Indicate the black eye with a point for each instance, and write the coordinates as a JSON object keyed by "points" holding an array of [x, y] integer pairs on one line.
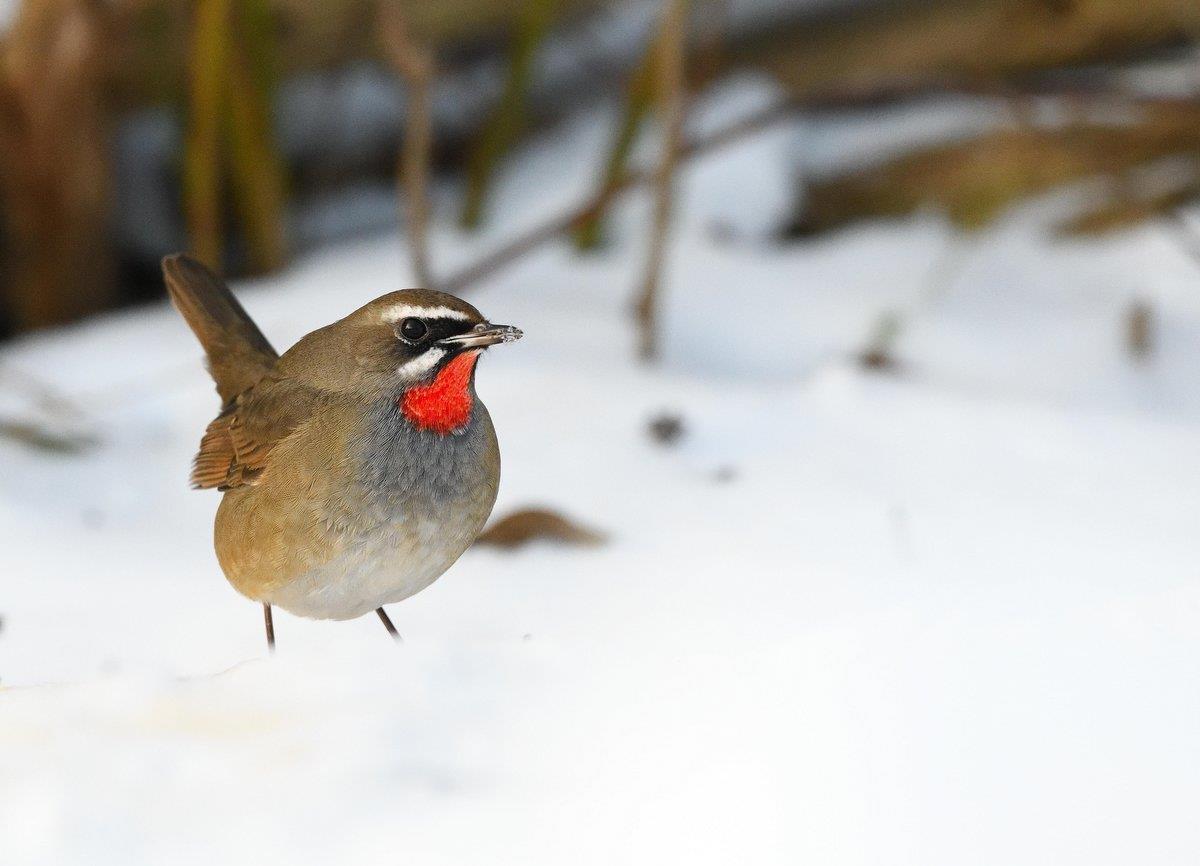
{"points": [[413, 330]]}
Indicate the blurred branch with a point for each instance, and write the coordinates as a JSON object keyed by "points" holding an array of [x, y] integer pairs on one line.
{"points": [[813, 53], [256, 168], [259, 177], [229, 117], [511, 252], [875, 47], [639, 96], [209, 60], [974, 180], [257, 26], [152, 36], [507, 121], [670, 91], [641, 92], [415, 65], [1131, 208], [712, 22], [42, 438]]}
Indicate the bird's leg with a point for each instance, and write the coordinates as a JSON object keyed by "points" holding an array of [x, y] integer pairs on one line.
{"points": [[387, 623], [270, 623]]}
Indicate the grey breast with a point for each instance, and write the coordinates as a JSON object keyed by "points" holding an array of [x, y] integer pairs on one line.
{"points": [[413, 468]]}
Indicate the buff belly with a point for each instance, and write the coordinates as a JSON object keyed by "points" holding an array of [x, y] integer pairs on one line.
{"points": [[385, 566]]}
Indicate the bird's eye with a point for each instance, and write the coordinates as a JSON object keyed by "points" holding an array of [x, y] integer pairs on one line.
{"points": [[413, 330]]}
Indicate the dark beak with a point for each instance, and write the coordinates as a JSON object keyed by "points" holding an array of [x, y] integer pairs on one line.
{"points": [[483, 335]]}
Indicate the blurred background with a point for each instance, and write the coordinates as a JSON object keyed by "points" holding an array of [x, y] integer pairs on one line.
{"points": [[850, 493], [254, 132]]}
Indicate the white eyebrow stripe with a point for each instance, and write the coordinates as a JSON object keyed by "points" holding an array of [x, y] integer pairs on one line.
{"points": [[404, 311], [421, 364]]}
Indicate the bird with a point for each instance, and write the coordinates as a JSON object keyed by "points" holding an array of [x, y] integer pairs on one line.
{"points": [[357, 466]]}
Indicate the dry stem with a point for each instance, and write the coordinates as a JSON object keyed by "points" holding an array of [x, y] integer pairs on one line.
{"points": [[669, 59], [415, 65]]}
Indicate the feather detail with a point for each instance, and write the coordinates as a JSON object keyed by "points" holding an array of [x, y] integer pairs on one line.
{"points": [[237, 445]]}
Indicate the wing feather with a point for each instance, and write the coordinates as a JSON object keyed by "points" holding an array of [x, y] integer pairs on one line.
{"points": [[236, 448]]}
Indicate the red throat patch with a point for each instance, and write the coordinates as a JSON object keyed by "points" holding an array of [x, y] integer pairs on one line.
{"points": [[444, 405]]}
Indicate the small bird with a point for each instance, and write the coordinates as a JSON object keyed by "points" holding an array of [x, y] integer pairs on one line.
{"points": [[357, 466]]}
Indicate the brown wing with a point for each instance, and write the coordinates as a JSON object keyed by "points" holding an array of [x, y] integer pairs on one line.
{"points": [[237, 445]]}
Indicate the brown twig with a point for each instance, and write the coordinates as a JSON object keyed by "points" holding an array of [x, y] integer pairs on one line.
{"points": [[41, 437], [669, 60], [703, 51], [414, 63], [518, 247], [710, 39]]}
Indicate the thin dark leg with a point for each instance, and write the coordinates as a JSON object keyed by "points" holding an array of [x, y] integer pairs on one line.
{"points": [[270, 623], [387, 623]]}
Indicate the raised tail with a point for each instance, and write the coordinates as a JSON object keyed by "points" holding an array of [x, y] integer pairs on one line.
{"points": [[238, 353]]}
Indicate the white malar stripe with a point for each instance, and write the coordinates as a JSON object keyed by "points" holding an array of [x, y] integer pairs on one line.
{"points": [[421, 364], [404, 311]]}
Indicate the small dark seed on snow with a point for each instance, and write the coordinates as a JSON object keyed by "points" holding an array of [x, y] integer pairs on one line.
{"points": [[666, 428]]}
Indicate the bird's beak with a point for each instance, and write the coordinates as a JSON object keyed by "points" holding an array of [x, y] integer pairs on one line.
{"points": [[483, 335]]}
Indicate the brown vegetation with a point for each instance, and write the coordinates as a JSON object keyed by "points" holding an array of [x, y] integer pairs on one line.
{"points": [[151, 37], [670, 96], [915, 45], [55, 181], [533, 524], [65, 63], [974, 180], [229, 136]]}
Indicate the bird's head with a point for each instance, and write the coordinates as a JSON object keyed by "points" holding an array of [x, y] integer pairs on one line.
{"points": [[431, 331], [416, 346]]}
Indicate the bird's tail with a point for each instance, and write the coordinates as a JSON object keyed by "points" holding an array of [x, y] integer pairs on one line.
{"points": [[238, 353]]}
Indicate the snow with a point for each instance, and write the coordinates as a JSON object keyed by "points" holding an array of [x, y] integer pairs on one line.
{"points": [[941, 615]]}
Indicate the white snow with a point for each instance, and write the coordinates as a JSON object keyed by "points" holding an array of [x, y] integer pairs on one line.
{"points": [[945, 615]]}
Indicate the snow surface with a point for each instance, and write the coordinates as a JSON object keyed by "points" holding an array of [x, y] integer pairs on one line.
{"points": [[944, 615]]}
